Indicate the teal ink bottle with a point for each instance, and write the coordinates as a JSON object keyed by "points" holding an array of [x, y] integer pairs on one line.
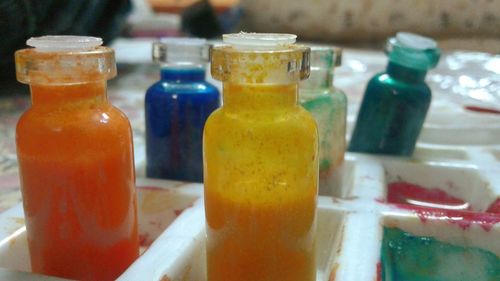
{"points": [[396, 101], [176, 108], [328, 105]]}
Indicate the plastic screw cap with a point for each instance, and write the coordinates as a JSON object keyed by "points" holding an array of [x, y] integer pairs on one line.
{"points": [[415, 41], [64, 43], [64, 59], [413, 51], [258, 41], [260, 58]]}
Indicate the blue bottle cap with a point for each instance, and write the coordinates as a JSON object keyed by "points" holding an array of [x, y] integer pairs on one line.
{"points": [[413, 51]]}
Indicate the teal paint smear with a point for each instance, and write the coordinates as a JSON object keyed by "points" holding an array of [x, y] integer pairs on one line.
{"points": [[406, 257], [328, 107]]}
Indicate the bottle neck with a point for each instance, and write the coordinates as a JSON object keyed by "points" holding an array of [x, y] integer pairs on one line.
{"points": [[62, 94], [318, 79], [183, 74], [405, 74], [259, 96]]}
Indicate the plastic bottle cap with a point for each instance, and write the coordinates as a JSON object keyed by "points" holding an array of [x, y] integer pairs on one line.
{"points": [[64, 43], [413, 51], [259, 41], [64, 60], [415, 41]]}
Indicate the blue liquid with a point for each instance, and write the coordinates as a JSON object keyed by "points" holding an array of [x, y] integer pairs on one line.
{"points": [[392, 112], [177, 107]]}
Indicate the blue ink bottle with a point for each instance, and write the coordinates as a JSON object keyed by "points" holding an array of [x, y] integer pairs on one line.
{"points": [[176, 108], [396, 101]]}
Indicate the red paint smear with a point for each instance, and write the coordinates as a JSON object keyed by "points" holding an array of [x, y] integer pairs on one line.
{"points": [[153, 188], [434, 203], [379, 271], [464, 219], [179, 211], [144, 240], [482, 109], [157, 224], [495, 207], [407, 193]]}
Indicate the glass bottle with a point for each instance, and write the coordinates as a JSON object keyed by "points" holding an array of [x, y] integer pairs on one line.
{"points": [[328, 105], [261, 163], [76, 162], [396, 101], [177, 107]]}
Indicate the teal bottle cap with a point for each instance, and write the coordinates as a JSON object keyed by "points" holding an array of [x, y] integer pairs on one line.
{"points": [[413, 51]]}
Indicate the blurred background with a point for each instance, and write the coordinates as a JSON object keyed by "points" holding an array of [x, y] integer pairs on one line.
{"points": [[456, 24]]}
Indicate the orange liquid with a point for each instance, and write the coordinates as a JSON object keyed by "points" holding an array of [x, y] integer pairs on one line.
{"points": [[261, 178], [77, 177]]}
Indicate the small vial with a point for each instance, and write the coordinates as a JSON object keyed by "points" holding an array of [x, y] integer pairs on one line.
{"points": [[261, 163], [76, 162], [177, 107], [396, 101]]}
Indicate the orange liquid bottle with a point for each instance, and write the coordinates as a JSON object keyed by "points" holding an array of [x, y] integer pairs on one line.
{"points": [[261, 164], [75, 162]]}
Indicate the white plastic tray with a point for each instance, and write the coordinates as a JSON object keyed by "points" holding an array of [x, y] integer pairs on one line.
{"points": [[351, 217]]}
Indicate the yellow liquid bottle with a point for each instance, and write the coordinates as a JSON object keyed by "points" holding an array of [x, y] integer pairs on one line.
{"points": [[260, 163]]}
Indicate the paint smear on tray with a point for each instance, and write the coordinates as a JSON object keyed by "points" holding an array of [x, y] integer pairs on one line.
{"points": [[417, 258], [412, 194]]}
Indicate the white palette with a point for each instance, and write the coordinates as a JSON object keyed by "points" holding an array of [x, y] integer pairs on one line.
{"points": [[351, 217]]}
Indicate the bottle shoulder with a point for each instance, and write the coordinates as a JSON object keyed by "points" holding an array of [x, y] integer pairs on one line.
{"points": [[294, 117], [75, 135], [87, 119], [290, 128], [384, 83], [169, 87], [333, 96], [306, 117]]}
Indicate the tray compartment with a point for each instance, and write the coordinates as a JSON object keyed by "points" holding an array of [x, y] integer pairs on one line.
{"points": [[437, 248], [438, 185]]}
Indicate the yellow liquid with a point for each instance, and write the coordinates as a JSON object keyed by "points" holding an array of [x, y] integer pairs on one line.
{"points": [[261, 179]]}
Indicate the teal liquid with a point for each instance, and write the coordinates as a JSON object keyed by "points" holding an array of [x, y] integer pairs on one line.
{"points": [[392, 112], [406, 257]]}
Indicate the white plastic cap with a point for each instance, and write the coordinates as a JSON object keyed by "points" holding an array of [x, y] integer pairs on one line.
{"points": [[258, 41], [64, 43], [415, 41]]}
